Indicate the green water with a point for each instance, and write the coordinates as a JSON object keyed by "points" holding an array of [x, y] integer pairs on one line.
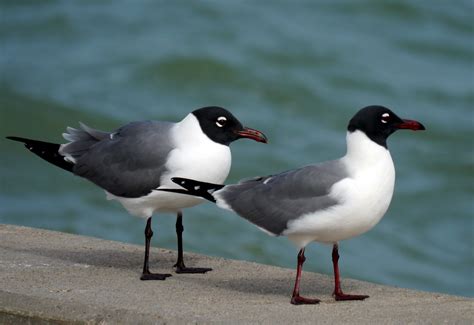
{"points": [[296, 70]]}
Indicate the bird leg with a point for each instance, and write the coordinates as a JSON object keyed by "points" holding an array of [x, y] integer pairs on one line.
{"points": [[147, 275], [338, 294], [180, 267], [296, 299]]}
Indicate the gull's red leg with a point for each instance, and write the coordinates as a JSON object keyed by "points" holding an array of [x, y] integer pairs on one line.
{"points": [[296, 299], [338, 294]]}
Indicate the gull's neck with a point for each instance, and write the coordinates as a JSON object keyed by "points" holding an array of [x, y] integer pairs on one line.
{"points": [[189, 132], [362, 151]]}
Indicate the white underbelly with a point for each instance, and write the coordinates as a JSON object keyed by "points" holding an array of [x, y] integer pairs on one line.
{"points": [[156, 201], [336, 224]]}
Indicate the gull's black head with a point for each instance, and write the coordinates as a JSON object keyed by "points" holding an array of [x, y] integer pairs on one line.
{"points": [[222, 127], [378, 122]]}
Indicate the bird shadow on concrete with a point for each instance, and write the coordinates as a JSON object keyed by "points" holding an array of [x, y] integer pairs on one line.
{"points": [[265, 282], [312, 285], [115, 258]]}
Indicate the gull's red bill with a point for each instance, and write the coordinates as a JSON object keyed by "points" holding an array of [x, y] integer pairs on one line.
{"points": [[252, 134], [411, 125]]}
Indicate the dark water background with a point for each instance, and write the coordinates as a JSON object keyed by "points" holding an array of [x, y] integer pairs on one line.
{"points": [[297, 70]]}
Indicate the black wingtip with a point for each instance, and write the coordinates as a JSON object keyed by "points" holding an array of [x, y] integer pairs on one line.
{"points": [[174, 190], [179, 180], [45, 150], [197, 188], [16, 138]]}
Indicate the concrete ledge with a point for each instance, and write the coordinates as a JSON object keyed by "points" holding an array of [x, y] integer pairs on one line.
{"points": [[49, 277]]}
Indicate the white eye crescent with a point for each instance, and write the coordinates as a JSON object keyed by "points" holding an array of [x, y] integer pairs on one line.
{"points": [[385, 118], [221, 121]]}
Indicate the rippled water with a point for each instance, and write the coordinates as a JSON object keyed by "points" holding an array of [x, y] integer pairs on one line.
{"points": [[297, 71]]}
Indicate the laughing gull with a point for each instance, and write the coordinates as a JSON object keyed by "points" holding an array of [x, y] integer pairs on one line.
{"points": [[134, 160], [326, 202]]}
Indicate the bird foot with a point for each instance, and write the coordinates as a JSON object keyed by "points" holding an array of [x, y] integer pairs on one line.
{"points": [[298, 300], [154, 276], [344, 297], [190, 270]]}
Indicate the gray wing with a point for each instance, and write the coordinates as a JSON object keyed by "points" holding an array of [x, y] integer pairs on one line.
{"points": [[271, 202], [128, 162]]}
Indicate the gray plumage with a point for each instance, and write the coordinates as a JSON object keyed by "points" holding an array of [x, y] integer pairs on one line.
{"points": [[271, 202], [81, 140], [128, 162]]}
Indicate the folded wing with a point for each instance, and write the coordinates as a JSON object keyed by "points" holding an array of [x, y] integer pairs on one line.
{"points": [[271, 202], [128, 162]]}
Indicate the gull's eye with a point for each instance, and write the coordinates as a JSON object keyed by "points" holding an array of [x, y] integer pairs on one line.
{"points": [[221, 121], [385, 118]]}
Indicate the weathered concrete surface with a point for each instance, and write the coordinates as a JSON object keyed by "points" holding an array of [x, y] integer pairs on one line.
{"points": [[51, 277]]}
